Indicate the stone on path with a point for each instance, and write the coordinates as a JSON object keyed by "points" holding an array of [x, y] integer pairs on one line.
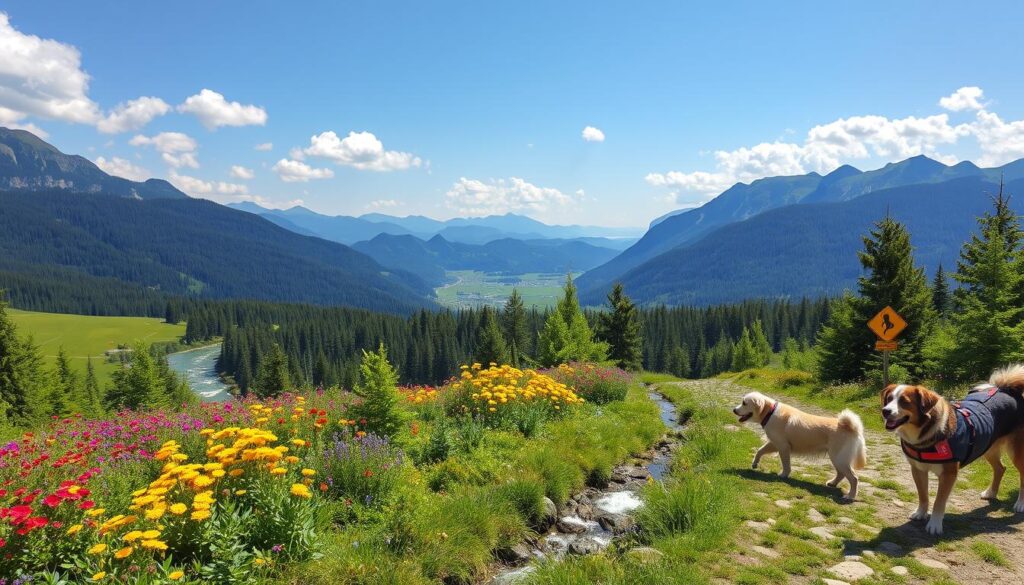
{"points": [[834, 582], [765, 551], [783, 504], [890, 548], [758, 526], [932, 563], [815, 516], [900, 570], [822, 532], [852, 570]]}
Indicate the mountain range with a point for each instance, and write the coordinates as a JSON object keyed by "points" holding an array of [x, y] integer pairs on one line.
{"points": [[467, 230], [744, 201]]}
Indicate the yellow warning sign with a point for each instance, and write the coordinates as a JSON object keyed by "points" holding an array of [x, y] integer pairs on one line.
{"points": [[887, 324]]}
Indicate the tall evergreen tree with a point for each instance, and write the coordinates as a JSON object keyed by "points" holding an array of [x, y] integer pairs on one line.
{"points": [[91, 391], [273, 378], [490, 345], [137, 385], [989, 320], [846, 345], [23, 383], [378, 388], [744, 355], [64, 391], [566, 336], [940, 293], [516, 329], [762, 347], [620, 329]]}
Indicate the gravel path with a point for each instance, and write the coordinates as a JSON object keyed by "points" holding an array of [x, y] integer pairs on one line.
{"points": [[969, 519]]}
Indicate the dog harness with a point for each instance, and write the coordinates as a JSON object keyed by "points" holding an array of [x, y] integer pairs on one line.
{"points": [[768, 416], [984, 415]]}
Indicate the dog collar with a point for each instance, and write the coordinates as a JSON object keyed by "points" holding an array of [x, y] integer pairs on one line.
{"points": [[765, 420]]}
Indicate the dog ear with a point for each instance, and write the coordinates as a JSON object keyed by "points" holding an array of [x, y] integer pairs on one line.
{"points": [[926, 400], [887, 393]]}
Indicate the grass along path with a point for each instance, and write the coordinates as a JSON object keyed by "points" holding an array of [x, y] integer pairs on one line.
{"points": [[797, 530]]}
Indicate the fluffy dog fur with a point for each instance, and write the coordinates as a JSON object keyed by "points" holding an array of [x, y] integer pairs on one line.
{"points": [[790, 431], [922, 418]]}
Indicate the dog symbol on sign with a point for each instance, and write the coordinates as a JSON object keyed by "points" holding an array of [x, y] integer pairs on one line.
{"points": [[887, 323]]}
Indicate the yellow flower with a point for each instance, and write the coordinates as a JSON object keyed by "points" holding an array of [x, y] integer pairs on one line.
{"points": [[97, 549], [259, 562], [241, 492], [175, 575], [278, 471], [200, 515], [308, 472], [154, 544], [132, 536], [155, 513], [99, 575], [74, 529], [123, 552], [202, 481], [95, 512], [150, 534], [178, 509], [300, 490]]}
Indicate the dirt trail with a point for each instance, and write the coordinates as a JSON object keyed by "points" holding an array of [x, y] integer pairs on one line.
{"points": [[969, 519]]}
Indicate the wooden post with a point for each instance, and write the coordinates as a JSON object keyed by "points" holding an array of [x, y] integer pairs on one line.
{"points": [[885, 368]]}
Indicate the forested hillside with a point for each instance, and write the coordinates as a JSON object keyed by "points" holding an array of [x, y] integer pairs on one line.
{"points": [[181, 247], [810, 249]]}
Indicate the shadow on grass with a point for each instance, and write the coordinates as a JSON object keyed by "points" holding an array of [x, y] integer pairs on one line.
{"points": [[814, 488]]}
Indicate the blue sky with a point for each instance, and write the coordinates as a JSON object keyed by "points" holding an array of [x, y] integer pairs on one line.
{"points": [[480, 107]]}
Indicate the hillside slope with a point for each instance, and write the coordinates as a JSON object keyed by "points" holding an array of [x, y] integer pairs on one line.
{"points": [[191, 246], [811, 249]]}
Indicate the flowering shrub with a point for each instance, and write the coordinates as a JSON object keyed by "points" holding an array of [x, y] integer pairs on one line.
{"points": [[359, 468], [595, 383], [419, 394]]}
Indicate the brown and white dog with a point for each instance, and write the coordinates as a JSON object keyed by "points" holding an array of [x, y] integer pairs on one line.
{"points": [[940, 437], [790, 431]]}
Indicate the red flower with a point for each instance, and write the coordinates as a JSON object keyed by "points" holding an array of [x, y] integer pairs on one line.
{"points": [[52, 500], [18, 513], [368, 473], [87, 504]]}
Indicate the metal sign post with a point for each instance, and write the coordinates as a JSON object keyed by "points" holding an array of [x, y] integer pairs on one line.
{"points": [[887, 325]]}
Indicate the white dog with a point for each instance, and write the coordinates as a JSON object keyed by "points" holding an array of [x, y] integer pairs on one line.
{"points": [[792, 432]]}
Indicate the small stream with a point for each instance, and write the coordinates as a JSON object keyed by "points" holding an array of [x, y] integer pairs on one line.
{"points": [[591, 519], [199, 368]]}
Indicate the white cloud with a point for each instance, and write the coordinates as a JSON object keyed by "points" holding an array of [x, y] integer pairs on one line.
{"points": [[214, 111], [383, 204], [199, 187], [43, 77], [293, 171], [132, 115], [120, 167], [264, 147], [268, 203], [1000, 142], [591, 134], [496, 196], [361, 150], [11, 119], [240, 172], [177, 149], [965, 98]]}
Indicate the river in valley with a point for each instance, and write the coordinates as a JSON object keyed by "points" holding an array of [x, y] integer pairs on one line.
{"points": [[199, 368]]}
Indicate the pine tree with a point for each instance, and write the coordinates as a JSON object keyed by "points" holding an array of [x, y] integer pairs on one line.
{"points": [[566, 336], [273, 379], [91, 391], [515, 328], [620, 329], [744, 355], [65, 386], [892, 279], [23, 382], [137, 385], [490, 345], [940, 293], [378, 388], [989, 320], [762, 347]]}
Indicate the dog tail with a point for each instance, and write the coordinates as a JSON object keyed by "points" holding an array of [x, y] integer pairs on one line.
{"points": [[851, 423], [1010, 378]]}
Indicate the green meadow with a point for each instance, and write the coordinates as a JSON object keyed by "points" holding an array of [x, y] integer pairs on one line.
{"points": [[476, 289], [85, 336]]}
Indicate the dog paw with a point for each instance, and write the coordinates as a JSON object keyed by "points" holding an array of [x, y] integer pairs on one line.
{"points": [[919, 515], [848, 499], [989, 495], [784, 474], [833, 482], [934, 526], [754, 465], [1019, 506]]}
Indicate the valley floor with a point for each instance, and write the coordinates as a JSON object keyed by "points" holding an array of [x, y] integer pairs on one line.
{"points": [[796, 530]]}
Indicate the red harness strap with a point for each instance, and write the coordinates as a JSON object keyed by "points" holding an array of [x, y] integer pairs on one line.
{"points": [[764, 421], [939, 453]]}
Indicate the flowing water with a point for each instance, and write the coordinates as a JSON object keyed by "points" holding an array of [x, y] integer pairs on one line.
{"points": [[615, 501], [199, 368]]}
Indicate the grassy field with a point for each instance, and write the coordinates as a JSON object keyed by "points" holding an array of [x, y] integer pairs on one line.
{"points": [[476, 289], [84, 336]]}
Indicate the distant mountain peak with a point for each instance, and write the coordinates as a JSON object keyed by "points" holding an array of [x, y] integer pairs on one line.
{"points": [[30, 164]]}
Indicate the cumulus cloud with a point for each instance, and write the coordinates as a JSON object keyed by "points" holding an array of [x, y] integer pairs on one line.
{"points": [[199, 187], [965, 98], [853, 139], [120, 167], [496, 196], [177, 149], [293, 171], [132, 115], [360, 150], [591, 134], [214, 111], [264, 147], [240, 172]]}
